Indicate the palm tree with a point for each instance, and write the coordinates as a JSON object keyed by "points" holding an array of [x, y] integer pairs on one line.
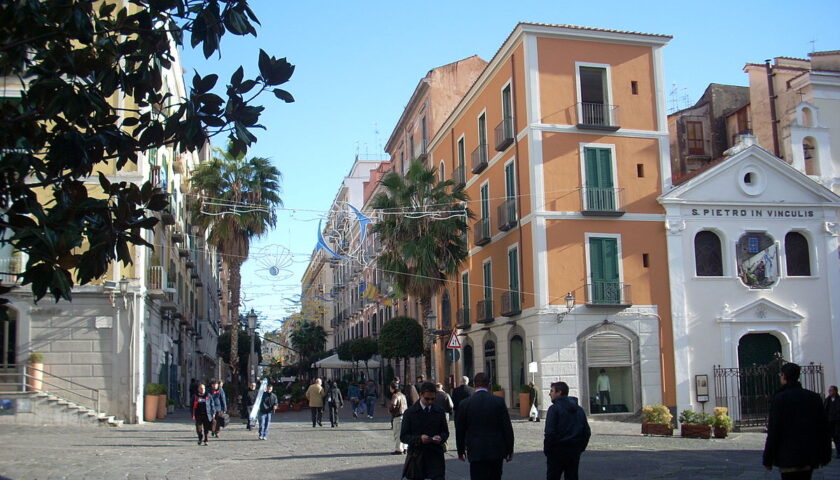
{"points": [[422, 227], [309, 339], [235, 201]]}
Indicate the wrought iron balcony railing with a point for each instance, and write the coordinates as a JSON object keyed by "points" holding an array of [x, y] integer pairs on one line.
{"points": [[504, 134], [479, 158], [507, 214], [608, 294], [511, 304], [598, 116], [603, 202], [484, 311], [464, 318], [458, 177], [481, 232]]}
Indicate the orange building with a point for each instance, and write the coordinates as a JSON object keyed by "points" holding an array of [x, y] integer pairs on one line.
{"points": [[562, 143]]}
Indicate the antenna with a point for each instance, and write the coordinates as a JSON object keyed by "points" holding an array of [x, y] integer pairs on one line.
{"points": [[813, 45]]}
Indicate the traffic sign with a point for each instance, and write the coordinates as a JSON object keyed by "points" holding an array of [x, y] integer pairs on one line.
{"points": [[453, 341]]}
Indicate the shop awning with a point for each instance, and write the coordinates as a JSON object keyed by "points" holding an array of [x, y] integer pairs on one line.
{"points": [[335, 362]]}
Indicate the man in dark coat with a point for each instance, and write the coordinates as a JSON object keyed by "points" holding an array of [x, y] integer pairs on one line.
{"points": [[425, 430], [248, 401], [832, 414], [797, 430], [462, 392], [483, 432], [566, 434]]}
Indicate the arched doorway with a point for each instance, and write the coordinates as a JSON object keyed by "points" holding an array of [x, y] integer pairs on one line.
{"points": [[490, 361], [517, 367], [756, 349], [610, 369]]}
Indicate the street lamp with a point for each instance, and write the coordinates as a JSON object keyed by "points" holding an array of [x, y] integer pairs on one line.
{"points": [[570, 305], [252, 326]]}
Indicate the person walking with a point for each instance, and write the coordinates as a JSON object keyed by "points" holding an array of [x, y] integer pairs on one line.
{"points": [[443, 400], [396, 407], [267, 404], [219, 406], [832, 414], [461, 393], [425, 430], [412, 394], [566, 434], [371, 394], [355, 394], [798, 440], [248, 401], [315, 394], [334, 402], [483, 432], [203, 413]]}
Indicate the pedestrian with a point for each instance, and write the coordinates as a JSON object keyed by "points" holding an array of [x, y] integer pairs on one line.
{"points": [[566, 434], [602, 385], [202, 412], [355, 394], [832, 414], [248, 401], [397, 407], [443, 400], [371, 394], [420, 380], [797, 431], [483, 432], [334, 402], [425, 430], [315, 394], [267, 404], [461, 393], [219, 404]]}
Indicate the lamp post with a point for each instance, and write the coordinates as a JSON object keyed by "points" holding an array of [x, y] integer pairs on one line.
{"points": [[252, 326], [570, 305]]}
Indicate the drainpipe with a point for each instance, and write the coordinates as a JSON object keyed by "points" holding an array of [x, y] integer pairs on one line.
{"points": [[774, 122]]}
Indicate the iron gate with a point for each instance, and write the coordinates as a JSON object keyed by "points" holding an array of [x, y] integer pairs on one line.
{"points": [[747, 392]]}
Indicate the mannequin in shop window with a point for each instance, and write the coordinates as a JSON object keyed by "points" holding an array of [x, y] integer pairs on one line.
{"points": [[603, 387]]}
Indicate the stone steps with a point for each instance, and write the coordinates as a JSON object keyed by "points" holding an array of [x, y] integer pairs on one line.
{"points": [[42, 408]]}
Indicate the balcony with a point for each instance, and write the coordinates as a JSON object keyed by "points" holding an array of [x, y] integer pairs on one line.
{"points": [[420, 152], [510, 303], [189, 264], [479, 158], [464, 318], [167, 218], [602, 202], [484, 311], [504, 134], [597, 116], [183, 253], [177, 237], [507, 214], [481, 232], [155, 279], [458, 177], [608, 294], [9, 268]]}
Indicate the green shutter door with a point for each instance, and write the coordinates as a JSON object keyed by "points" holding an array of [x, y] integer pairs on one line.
{"points": [[513, 280], [600, 194], [603, 258]]}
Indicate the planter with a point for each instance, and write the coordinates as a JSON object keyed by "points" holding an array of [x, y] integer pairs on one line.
{"points": [[524, 404], [296, 407], [170, 409], [499, 393], [721, 432], [663, 429], [35, 379], [696, 431], [150, 407], [283, 407], [161, 406]]}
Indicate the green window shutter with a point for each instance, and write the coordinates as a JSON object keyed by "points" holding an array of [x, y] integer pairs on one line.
{"points": [[513, 270], [600, 192], [603, 267], [488, 281]]}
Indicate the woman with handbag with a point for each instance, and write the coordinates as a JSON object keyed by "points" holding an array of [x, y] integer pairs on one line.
{"points": [[203, 413], [217, 396]]}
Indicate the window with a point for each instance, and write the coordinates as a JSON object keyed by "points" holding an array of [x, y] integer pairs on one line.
{"points": [[442, 172], [694, 138], [708, 261], [485, 201], [461, 154], [758, 260], [482, 134], [809, 154], [445, 311], [507, 210], [465, 298], [488, 280], [599, 191], [594, 95], [797, 256], [605, 287], [513, 278], [490, 360]]}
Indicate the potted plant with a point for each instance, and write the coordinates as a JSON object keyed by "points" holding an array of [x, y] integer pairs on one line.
{"points": [[695, 424], [722, 423], [161, 389], [526, 398], [151, 397], [656, 420], [35, 371], [170, 406], [498, 390]]}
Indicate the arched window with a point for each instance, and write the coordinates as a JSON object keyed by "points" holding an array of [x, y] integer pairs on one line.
{"points": [[708, 260], [441, 172], [807, 117], [797, 255]]}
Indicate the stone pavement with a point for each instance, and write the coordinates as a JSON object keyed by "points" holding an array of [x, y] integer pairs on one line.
{"points": [[356, 450]]}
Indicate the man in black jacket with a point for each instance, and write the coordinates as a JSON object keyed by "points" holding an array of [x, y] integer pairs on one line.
{"points": [[483, 432], [832, 414], [462, 392], [248, 401], [425, 430], [566, 434], [797, 430], [267, 404]]}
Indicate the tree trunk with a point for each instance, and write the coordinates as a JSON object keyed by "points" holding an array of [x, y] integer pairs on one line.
{"points": [[235, 284]]}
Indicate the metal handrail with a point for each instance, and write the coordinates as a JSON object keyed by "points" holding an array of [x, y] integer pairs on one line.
{"points": [[21, 370]]}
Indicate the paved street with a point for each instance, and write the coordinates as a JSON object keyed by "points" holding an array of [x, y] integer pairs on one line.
{"points": [[357, 450]]}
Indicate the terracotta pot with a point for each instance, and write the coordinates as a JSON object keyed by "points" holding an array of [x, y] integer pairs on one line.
{"points": [[283, 407], [720, 432], [499, 393], [663, 429], [296, 407], [161, 406], [150, 407], [35, 379], [696, 431], [524, 404]]}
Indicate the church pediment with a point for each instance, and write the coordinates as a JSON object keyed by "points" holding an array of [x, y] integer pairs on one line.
{"points": [[760, 311]]}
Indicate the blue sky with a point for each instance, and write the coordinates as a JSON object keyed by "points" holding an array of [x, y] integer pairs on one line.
{"points": [[358, 62]]}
